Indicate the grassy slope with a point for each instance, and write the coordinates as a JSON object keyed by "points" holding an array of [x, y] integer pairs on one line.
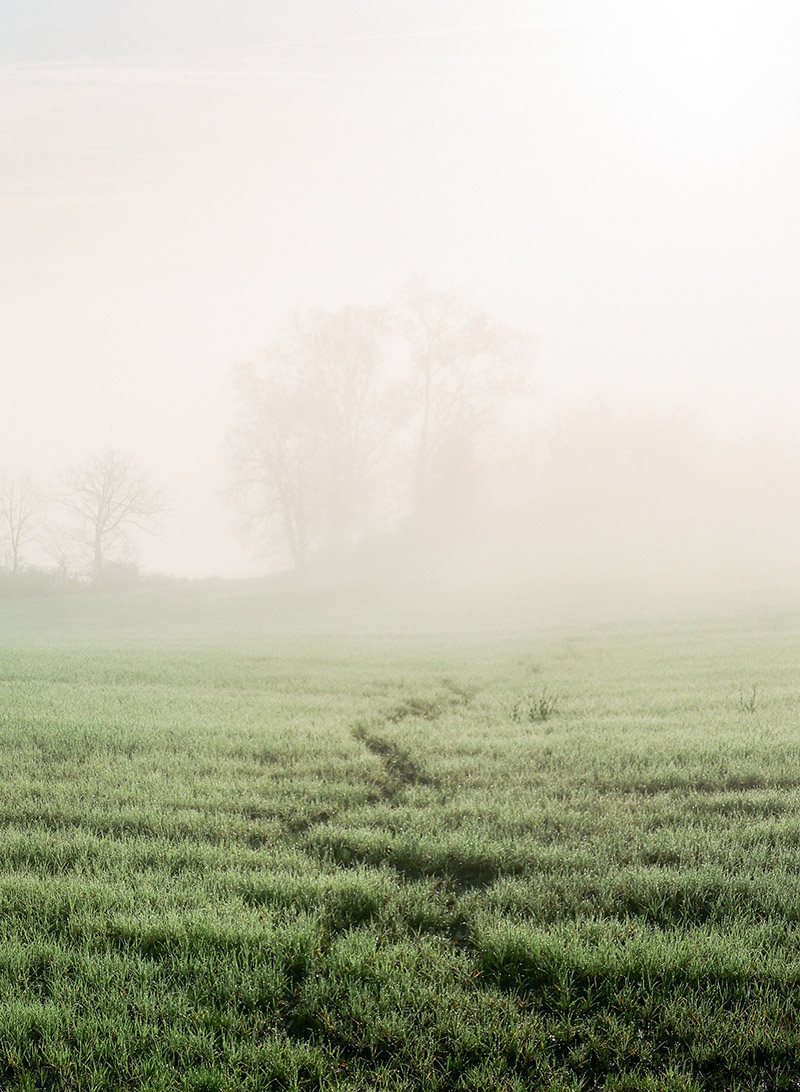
{"points": [[270, 847]]}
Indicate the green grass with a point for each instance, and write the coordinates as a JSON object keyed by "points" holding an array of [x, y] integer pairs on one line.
{"points": [[254, 844]]}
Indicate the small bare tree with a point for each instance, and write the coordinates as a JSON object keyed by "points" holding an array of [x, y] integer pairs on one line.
{"points": [[63, 546], [21, 507], [111, 498]]}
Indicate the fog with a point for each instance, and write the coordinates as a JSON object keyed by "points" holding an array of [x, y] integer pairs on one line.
{"points": [[611, 187]]}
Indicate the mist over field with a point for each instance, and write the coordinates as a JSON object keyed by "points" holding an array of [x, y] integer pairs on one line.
{"points": [[614, 184], [399, 524]]}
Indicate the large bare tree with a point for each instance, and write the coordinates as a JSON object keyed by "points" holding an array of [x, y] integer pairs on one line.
{"points": [[462, 366], [111, 498], [311, 416], [360, 417]]}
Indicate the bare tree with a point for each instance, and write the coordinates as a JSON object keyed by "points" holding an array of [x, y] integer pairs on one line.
{"points": [[63, 545], [21, 507], [463, 365], [311, 417], [111, 498], [271, 459], [354, 410]]}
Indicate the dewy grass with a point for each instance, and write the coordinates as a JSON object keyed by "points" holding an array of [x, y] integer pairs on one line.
{"points": [[228, 862]]}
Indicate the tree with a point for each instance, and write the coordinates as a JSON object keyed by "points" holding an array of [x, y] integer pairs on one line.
{"points": [[63, 545], [21, 505], [360, 416], [110, 498], [311, 417], [463, 365]]}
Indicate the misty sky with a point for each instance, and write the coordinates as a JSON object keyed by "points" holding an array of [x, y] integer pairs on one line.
{"points": [[619, 178]]}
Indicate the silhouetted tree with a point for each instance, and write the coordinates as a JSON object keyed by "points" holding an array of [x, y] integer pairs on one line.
{"points": [[312, 415], [110, 498], [463, 365], [356, 408]]}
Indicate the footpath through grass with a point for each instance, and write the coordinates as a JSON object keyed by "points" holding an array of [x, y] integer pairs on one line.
{"points": [[247, 847]]}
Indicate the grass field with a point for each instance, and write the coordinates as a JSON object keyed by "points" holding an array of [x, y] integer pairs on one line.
{"points": [[257, 845]]}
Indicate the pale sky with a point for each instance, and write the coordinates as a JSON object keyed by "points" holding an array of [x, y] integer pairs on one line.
{"points": [[619, 178]]}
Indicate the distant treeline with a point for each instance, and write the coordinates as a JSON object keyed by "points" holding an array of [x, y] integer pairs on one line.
{"points": [[412, 432], [410, 439]]}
